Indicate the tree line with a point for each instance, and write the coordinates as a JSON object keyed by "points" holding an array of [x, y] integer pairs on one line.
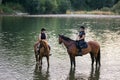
{"points": [[60, 6]]}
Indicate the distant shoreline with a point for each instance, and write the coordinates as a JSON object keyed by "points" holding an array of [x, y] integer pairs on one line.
{"points": [[68, 16]]}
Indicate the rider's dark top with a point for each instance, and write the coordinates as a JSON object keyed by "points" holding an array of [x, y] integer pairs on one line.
{"points": [[43, 36], [81, 33]]}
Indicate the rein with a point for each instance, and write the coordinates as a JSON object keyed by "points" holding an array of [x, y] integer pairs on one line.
{"points": [[68, 45]]}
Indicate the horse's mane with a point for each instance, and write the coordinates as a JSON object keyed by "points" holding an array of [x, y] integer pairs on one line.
{"points": [[66, 38]]}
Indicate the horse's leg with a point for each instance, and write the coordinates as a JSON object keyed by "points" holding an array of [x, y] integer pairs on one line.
{"points": [[47, 60], [36, 56], [96, 61], [98, 58], [40, 58], [92, 58], [70, 60], [74, 61]]}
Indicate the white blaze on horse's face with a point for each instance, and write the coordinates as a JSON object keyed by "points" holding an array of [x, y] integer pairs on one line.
{"points": [[60, 40]]}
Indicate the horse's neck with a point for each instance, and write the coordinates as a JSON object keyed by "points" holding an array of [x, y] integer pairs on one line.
{"points": [[66, 43]]}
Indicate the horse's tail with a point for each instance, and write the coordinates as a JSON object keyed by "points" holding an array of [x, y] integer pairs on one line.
{"points": [[99, 57]]}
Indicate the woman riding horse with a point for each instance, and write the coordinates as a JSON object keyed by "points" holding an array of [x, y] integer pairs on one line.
{"points": [[93, 48], [38, 47], [81, 39], [44, 51]]}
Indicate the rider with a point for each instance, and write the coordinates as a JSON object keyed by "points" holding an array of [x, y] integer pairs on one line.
{"points": [[42, 36], [81, 39]]}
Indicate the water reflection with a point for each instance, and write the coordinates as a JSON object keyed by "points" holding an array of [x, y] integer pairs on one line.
{"points": [[94, 74], [40, 74], [71, 75]]}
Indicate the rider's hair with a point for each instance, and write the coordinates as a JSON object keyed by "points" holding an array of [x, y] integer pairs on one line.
{"points": [[43, 29], [82, 27]]}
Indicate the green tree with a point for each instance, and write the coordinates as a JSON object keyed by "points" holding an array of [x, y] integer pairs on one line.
{"points": [[0, 2], [116, 8], [60, 6]]}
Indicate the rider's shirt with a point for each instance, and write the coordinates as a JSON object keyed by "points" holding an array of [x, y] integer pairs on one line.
{"points": [[81, 33], [43, 36]]}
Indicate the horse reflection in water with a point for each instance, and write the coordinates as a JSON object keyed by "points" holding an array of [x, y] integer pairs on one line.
{"points": [[39, 74], [94, 74]]}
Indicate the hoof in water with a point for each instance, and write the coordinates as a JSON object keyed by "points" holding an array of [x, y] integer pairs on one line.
{"points": [[50, 54], [40, 66], [37, 63]]}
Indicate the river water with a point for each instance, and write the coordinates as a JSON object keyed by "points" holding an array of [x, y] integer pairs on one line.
{"points": [[18, 35]]}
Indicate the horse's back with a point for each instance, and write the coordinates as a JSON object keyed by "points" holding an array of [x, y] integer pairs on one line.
{"points": [[95, 47], [94, 44]]}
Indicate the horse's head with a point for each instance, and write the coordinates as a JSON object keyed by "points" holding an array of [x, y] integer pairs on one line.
{"points": [[60, 39], [64, 38]]}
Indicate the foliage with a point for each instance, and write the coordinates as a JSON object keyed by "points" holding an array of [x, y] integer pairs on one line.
{"points": [[61, 6], [116, 8], [105, 9], [15, 6], [5, 9], [10, 8]]}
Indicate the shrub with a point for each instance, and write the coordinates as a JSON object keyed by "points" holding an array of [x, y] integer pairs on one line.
{"points": [[116, 8], [10, 8], [15, 6], [5, 9], [105, 9]]}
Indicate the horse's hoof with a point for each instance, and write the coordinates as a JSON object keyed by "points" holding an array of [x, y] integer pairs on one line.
{"points": [[48, 67], [40, 66], [50, 54], [37, 62]]}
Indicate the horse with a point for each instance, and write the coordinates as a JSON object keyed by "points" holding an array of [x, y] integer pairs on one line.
{"points": [[93, 48], [44, 51]]}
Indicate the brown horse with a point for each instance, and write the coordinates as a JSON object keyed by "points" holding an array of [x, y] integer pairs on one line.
{"points": [[44, 51], [93, 48]]}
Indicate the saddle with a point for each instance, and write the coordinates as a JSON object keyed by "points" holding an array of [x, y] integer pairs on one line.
{"points": [[81, 45], [40, 46]]}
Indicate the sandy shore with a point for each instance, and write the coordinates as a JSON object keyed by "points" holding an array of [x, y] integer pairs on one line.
{"points": [[69, 15]]}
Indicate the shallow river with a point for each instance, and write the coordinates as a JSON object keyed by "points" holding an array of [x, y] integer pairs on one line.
{"points": [[18, 35]]}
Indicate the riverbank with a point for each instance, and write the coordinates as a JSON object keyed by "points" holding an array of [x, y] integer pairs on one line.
{"points": [[95, 12], [69, 15]]}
